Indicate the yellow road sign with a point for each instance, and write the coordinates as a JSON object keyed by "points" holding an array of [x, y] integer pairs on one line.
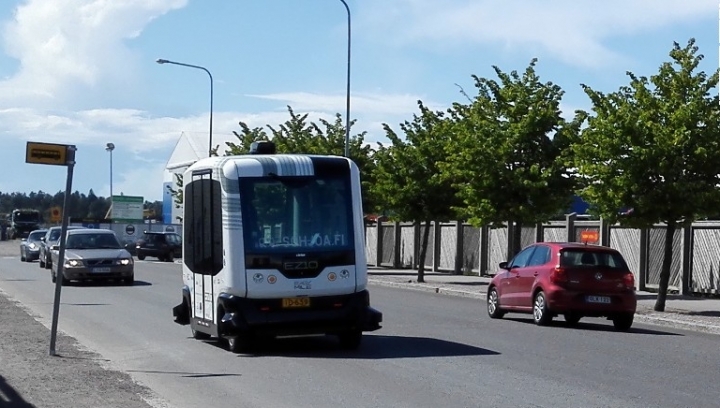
{"points": [[55, 214], [46, 153]]}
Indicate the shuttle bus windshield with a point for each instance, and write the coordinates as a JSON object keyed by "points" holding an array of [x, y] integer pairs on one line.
{"points": [[304, 213]]}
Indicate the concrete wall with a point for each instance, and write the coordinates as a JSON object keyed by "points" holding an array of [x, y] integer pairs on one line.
{"points": [[462, 249]]}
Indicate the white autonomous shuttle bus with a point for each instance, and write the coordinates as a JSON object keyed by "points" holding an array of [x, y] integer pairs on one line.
{"points": [[274, 244]]}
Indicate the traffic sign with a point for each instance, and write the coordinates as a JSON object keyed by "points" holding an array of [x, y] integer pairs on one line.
{"points": [[55, 214], [49, 153], [589, 236]]}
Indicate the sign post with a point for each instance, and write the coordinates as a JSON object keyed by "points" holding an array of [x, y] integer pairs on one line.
{"points": [[58, 155]]}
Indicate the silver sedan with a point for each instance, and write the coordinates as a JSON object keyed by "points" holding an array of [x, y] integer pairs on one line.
{"points": [[93, 254]]}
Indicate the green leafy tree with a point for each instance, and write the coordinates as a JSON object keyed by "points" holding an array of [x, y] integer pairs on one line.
{"points": [[80, 206], [654, 146], [507, 154], [408, 178], [298, 135], [177, 192]]}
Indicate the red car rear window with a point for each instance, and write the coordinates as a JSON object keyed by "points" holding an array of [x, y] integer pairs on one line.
{"points": [[577, 257]]}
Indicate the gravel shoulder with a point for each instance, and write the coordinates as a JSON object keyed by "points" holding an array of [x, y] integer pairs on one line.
{"points": [[75, 377]]}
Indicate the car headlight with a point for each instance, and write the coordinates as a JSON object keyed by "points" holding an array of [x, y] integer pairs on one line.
{"points": [[72, 263], [124, 261], [32, 245]]}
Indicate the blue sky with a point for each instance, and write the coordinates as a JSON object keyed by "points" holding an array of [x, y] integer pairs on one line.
{"points": [[83, 72]]}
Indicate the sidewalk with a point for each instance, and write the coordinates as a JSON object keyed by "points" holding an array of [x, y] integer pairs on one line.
{"points": [[681, 312]]}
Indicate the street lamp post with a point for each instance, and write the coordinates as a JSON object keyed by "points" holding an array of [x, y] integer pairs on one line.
{"points": [[347, 96], [110, 147], [164, 61]]}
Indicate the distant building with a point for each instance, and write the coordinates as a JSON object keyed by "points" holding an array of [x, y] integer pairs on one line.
{"points": [[190, 147]]}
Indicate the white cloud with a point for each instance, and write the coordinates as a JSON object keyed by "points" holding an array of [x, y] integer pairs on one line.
{"points": [[140, 132], [63, 44], [145, 181], [572, 31]]}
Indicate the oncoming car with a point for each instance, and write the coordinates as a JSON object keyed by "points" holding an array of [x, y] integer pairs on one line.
{"points": [[30, 247], [571, 279], [52, 236], [93, 254]]}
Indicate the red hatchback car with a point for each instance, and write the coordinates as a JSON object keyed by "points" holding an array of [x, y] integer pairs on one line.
{"points": [[573, 279]]}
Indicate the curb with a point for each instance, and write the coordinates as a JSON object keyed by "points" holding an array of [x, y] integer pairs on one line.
{"points": [[667, 321], [425, 287], [643, 315]]}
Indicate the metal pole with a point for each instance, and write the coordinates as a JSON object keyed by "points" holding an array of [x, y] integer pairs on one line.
{"points": [[210, 137], [182, 64], [110, 147], [61, 256], [347, 96], [111, 182]]}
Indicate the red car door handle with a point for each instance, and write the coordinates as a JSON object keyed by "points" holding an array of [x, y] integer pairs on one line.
{"points": [[535, 274]]}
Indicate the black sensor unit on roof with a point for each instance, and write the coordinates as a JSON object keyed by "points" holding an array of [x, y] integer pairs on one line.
{"points": [[262, 147]]}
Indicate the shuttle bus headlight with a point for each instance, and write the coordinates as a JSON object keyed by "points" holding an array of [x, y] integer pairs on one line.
{"points": [[258, 278], [344, 274]]}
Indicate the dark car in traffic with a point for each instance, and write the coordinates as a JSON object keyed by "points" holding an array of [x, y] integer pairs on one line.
{"points": [[166, 246], [30, 246], [575, 280]]}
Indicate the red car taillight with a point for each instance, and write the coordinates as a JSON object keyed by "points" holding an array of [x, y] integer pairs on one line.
{"points": [[629, 280], [558, 276]]}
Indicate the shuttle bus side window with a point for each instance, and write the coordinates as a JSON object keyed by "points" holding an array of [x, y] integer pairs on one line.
{"points": [[203, 225]]}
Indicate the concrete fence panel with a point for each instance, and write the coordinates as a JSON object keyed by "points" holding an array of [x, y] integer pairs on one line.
{"points": [[471, 248], [705, 276], [655, 254]]}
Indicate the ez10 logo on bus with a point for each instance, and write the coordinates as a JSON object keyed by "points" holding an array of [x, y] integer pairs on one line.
{"points": [[301, 265]]}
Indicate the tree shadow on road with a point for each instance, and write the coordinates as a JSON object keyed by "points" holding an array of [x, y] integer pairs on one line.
{"points": [[186, 374], [100, 283], [374, 347], [10, 398], [590, 324]]}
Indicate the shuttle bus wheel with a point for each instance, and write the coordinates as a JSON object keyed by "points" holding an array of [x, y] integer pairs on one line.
{"points": [[198, 335], [239, 344]]}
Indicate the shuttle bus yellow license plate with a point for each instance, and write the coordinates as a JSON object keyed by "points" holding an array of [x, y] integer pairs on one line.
{"points": [[296, 302]]}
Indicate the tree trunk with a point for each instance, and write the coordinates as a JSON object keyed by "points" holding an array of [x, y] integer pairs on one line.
{"points": [[423, 252], [665, 271], [514, 242]]}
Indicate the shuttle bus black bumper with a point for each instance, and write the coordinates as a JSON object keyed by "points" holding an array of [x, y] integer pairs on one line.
{"points": [[325, 315]]}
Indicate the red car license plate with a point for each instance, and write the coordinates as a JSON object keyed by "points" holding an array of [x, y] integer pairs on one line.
{"points": [[598, 299]]}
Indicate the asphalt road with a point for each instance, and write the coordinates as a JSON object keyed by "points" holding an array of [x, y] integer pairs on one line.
{"points": [[433, 351]]}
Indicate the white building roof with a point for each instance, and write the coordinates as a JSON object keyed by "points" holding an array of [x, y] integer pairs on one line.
{"points": [[192, 146]]}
